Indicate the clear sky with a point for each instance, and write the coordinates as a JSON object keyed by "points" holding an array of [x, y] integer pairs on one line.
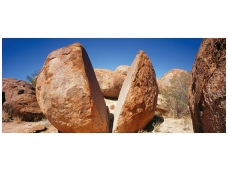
{"points": [[23, 56]]}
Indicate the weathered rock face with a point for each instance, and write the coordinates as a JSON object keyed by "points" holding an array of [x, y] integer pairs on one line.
{"points": [[110, 82], [164, 81], [207, 92], [123, 69], [138, 96], [68, 92], [19, 100], [24, 106], [13, 87]]}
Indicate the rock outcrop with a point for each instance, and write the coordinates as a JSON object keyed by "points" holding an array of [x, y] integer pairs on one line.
{"points": [[25, 107], [164, 81], [13, 87], [20, 100], [207, 92], [138, 96], [122, 69], [110, 82], [68, 92]]}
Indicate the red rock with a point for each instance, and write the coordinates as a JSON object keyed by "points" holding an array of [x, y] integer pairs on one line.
{"points": [[207, 92], [110, 82], [68, 92], [138, 97], [12, 88], [19, 100], [24, 106]]}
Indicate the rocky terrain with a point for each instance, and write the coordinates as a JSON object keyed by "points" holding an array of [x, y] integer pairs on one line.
{"points": [[157, 125], [19, 100], [73, 97], [164, 81]]}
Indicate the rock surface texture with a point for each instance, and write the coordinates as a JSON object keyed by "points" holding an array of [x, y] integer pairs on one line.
{"points": [[138, 96], [13, 87], [164, 81], [24, 106], [123, 69], [207, 92], [20, 100], [69, 94], [110, 82]]}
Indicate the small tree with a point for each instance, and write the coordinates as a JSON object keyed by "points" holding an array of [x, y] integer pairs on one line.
{"points": [[32, 79], [176, 95]]}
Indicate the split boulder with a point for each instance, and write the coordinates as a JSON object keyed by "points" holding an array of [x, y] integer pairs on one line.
{"points": [[68, 92], [138, 97]]}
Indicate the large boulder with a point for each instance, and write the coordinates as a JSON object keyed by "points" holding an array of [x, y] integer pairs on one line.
{"points": [[24, 106], [110, 82], [12, 87], [19, 100], [207, 92], [138, 97], [165, 80], [68, 92], [122, 69]]}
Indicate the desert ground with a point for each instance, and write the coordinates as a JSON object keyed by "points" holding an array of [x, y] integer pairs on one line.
{"points": [[159, 124]]}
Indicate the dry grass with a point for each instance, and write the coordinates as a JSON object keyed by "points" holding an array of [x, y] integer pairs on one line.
{"points": [[169, 124], [156, 127], [187, 123]]}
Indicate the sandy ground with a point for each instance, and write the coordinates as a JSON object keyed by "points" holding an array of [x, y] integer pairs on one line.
{"points": [[157, 125], [43, 126], [171, 125]]}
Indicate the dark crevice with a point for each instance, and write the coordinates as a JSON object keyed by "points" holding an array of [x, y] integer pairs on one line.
{"points": [[218, 46], [41, 130], [200, 106], [193, 88], [157, 120], [21, 92], [3, 97], [111, 120]]}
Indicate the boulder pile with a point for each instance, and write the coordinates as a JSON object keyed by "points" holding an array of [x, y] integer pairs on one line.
{"points": [[71, 93]]}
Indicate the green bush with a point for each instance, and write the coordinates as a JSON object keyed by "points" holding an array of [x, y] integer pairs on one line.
{"points": [[32, 79]]}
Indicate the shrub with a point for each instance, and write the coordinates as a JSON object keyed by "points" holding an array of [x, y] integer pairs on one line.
{"points": [[32, 79], [176, 95]]}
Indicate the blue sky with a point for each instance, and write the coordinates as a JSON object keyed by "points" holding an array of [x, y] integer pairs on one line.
{"points": [[23, 56]]}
